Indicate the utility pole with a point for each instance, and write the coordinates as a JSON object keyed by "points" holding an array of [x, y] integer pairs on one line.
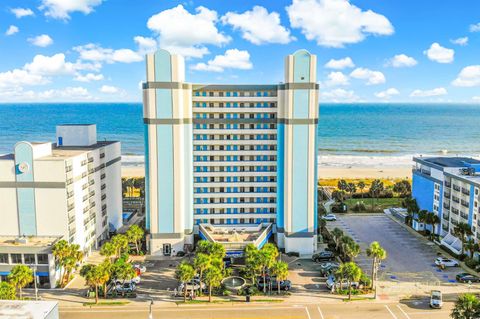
{"points": [[34, 268]]}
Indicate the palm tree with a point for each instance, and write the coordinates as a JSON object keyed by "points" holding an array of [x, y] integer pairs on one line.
{"points": [[412, 208], [20, 276], [280, 271], [432, 219], [94, 276], [72, 260], [466, 307], [120, 242], [7, 291], [337, 234], [342, 185], [352, 250], [185, 273], [201, 263], [471, 246], [361, 185], [375, 189], [402, 187], [377, 253], [108, 250], [60, 251], [268, 255], [134, 235], [422, 216], [213, 278], [462, 230], [352, 273], [253, 263], [351, 188]]}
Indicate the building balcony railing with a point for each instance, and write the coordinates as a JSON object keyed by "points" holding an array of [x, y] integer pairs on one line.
{"points": [[448, 184], [446, 206], [446, 194], [456, 199], [465, 204], [446, 216], [456, 188], [464, 216], [455, 211]]}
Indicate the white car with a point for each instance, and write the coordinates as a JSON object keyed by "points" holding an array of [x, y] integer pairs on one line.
{"points": [[331, 281], [135, 280], [329, 217], [436, 299], [446, 262], [140, 267]]}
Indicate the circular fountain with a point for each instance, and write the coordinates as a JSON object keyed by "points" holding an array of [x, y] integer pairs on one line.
{"points": [[234, 283]]}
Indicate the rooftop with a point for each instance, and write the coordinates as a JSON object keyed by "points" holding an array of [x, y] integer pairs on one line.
{"points": [[449, 161], [28, 309], [28, 241]]}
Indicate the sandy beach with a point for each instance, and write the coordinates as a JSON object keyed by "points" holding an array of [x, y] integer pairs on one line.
{"points": [[323, 172]]}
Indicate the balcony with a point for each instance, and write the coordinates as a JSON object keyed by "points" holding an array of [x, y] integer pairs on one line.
{"points": [[448, 184], [465, 203], [464, 216], [446, 216], [456, 199], [447, 195], [456, 188], [446, 206], [465, 191]]}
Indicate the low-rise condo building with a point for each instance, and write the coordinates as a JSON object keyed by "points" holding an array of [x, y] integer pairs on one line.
{"points": [[70, 189], [236, 160], [449, 187]]}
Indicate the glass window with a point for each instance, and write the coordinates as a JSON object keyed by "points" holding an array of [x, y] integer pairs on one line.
{"points": [[16, 258], [3, 258], [29, 259], [42, 259]]}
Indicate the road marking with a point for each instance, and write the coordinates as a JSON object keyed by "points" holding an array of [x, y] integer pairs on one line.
{"points": [[403, 311], [393, 315], [244, 308], [308, 313], [320, 311]]}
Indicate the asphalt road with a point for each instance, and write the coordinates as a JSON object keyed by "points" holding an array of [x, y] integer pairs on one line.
{"points": [[352, 310]]}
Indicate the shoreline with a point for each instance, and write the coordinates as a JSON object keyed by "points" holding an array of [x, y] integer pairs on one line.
{"points": [[324, 172]]}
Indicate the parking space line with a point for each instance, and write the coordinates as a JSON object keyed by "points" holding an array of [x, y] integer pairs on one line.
{"points": [[391, 312], [403, 311], [320, 311], [308, 313]]}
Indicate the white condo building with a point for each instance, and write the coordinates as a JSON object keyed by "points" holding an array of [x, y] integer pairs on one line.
{"points": [[70, 189]]}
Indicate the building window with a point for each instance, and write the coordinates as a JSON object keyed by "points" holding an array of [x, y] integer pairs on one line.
{"points": [[3, 258], [42, 259], [16, 258], [29, 259]]}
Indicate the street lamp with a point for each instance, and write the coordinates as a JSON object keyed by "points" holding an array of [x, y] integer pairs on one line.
{"points": [[34, 268], [150, 314]]}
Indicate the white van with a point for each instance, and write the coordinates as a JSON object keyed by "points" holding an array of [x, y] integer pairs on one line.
{"points": [[436, 299]]}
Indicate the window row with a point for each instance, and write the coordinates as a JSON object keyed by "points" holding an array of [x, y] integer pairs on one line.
{"points": [[235, 115], [235, 179], [235, 158], [27, 259], [234, 137], [235, 200], [236, 105], [200, 190], [228, 126], [235, 147], [234, 93], [212, 169], [211, 211]]}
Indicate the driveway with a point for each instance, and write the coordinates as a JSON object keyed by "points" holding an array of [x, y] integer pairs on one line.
{"points": [[410, 259]]}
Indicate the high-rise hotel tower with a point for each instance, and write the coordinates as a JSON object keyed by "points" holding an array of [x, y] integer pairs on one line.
{"points": [[231, 163]]}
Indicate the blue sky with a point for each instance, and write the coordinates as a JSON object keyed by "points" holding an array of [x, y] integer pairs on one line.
{"points": [[368, 50]]}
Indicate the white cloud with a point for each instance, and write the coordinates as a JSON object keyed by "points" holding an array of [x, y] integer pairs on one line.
{"points": [[43, 40], [336, 79], [402, 60], [22, 12], [340, 64], [11, 30], [468, 77], [20, 77], [258, 26], [93, 52], [476, 98], [108, 89], [439, 54], [187, 34], [475, 27], [61, 9], [334, 23], [429, 93], [66, 94], [89, 77], [50, 65], [372, 77], [232, 59], [145, 45], [387, 94], [460, 41], [339, 95]]}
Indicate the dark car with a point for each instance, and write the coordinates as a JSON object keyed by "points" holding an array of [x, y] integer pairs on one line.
{"points": [[323, 256], [465, 277], [284, 284]]}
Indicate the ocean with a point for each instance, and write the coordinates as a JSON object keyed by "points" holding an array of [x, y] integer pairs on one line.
{"points": [[364, 134]]}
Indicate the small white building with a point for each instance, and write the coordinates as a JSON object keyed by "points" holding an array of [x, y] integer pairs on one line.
{"points": [[29, 309], [70, 189]]}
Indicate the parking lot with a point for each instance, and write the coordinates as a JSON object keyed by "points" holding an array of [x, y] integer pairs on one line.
{"points": [[410, 259]]}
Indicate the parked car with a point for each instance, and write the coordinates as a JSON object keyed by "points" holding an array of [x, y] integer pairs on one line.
{"points": [[328, 268], [331, 281], [195, 284], [436, 299], [329, 217], [284, 284], [465, 277], [323, 256], [135, 280], [125, 288], [140, 267], [446, 262]]}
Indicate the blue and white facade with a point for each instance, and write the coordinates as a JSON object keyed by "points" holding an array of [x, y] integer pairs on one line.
{"points": [[230, 154], [449, 187]]}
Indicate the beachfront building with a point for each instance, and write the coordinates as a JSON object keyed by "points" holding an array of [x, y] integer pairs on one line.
{"points": [[449, 187], [70, 189], [238, 161], [29, 309]]}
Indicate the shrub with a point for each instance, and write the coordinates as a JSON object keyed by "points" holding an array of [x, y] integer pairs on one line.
{"points": [[471, 263], [359, 207]]}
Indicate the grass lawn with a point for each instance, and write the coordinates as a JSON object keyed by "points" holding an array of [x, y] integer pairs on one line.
{"points": [[333, 182], [380, 204], [106, 303], [197, 301]]}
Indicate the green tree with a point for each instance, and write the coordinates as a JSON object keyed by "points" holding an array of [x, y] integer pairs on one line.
{"points": [[108, 250], [403, 188], [432, 219], [352, 274], [213, 279], [95, 276], [377, 253], [471, 246], [338, 196], [280, 271], [106, 267], [122, 270], [185, 273], [253, 263], [20, 276], [352, 250], [411, 205], [466, 307], [462, 231], [7, 291], [351, 188], [268, 255], [375, 189], [134, 235], [215, 250], [71, 261], [361, 185], [201, 263], [337, 234], [60, 251], [120, 242], [342, 185]]}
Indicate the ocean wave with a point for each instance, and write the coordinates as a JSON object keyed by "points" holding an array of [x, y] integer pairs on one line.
{"points": [[133, 160]]}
